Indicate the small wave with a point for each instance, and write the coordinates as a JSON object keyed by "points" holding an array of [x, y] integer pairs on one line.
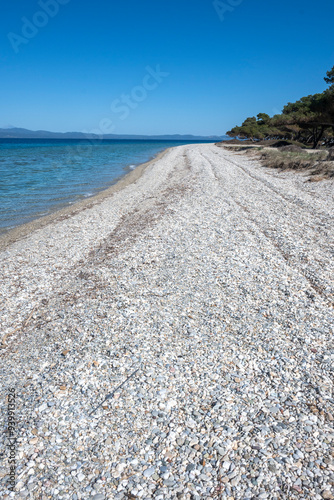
{"points": [[129, 168]]}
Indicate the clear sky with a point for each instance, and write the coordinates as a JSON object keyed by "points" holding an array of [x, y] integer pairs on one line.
{"points": [[153, 67]]}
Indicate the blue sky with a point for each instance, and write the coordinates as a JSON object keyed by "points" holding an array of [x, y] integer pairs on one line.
{"points": [[154, 67]]}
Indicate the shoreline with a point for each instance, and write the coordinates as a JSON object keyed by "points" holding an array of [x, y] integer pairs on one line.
{"points": [[200, 294], [60, 214]]}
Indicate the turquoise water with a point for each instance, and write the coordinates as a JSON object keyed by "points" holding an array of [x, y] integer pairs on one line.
{"points": [[38, 177]]}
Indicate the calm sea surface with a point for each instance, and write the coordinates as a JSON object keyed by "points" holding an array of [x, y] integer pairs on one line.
{"points": [[38, 177]]}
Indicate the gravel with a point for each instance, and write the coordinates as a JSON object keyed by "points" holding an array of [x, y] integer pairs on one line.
{"points": [[213, 277]]}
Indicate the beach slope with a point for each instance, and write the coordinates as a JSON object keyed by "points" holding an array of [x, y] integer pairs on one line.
{"points": [[208, 279]]}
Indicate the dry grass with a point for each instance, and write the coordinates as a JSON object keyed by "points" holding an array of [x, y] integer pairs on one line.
{"points": [[319, 165], [315, 164]]}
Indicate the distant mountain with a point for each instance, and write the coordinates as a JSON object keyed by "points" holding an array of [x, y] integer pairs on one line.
{"points": [[22, 133]]}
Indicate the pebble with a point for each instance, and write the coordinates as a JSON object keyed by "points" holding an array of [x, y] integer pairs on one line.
{"points": [[211, 276], [149, 472], [327, 494]]}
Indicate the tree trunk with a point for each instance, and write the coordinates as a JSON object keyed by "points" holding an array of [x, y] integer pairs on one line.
{"points": [[318, 136]]}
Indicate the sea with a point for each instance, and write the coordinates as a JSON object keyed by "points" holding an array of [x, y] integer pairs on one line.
{"points": [[38, 177]]}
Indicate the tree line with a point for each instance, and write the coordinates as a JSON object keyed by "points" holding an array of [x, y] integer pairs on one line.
{"points": [[309, 121]]}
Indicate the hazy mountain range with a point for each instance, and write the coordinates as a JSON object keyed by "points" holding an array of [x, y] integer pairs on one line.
{"points": [[22, 133]]}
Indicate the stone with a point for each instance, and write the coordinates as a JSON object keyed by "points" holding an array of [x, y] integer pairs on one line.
{"points": [[149, 472]]}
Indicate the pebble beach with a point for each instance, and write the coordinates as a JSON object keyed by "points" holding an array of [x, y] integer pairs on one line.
{"points": [[172, 337]]}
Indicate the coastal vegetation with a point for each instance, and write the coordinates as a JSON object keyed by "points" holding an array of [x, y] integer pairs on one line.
{"points": [[308, 121], [317, 164]]}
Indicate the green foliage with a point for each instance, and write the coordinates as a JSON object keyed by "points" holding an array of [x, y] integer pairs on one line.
{"points": [[308, 120], [249, 122], [263, 119], [330, 76]]}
